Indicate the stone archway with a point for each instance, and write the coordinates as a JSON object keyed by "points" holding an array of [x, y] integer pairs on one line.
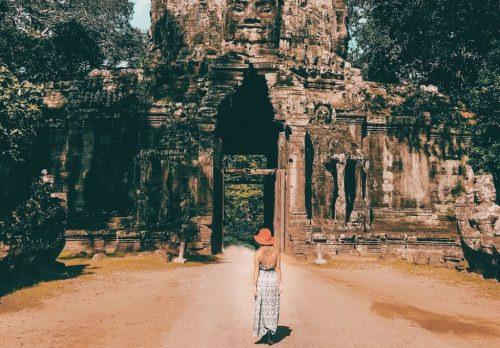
{"points": [[246, 126]]}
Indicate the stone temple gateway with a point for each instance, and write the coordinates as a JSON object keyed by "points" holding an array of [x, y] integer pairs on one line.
{"points": [[267, 77]]}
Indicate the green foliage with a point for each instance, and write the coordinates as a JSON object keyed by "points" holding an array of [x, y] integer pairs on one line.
{"points": [[53, 40], [244, 161], [244, 211], [443, 111], [243, 203], [485, 100], [38, 223], [20, 116], [441, 42], [452, 44]]}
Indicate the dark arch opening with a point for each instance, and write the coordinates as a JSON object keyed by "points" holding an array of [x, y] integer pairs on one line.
{"points": [[246, 123], [245, 126]]}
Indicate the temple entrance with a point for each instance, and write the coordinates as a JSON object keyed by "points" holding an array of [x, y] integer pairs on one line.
{"points": [[246, 165]]}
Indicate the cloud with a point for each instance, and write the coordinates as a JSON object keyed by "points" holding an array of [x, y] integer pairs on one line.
{"points": [[141, 17]]}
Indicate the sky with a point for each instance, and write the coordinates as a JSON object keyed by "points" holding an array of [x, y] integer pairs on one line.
{"points": [[141, 17]]}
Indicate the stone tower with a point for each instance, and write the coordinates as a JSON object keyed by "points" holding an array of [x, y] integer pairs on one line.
{"points": [[347, 166], [342, 174]]}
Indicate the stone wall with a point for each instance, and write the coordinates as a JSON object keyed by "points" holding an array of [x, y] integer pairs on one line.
{"points": [[362, 174]]}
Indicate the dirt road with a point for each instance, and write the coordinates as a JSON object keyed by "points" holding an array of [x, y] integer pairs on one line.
{"points": [[212, 306]]}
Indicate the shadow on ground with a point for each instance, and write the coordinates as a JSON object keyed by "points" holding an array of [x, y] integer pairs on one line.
{"points": [[205, 259], [59, 272], [282, 332]]}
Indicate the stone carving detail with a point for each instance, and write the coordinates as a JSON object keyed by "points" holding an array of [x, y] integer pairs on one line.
{"points": [[339, 161], [312, 27], [252, 21], [354, 209], [323, 114], [479, 222], [360, 214]]}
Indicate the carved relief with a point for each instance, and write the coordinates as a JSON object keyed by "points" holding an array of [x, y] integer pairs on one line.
{"points": [[252, 21], [301, 27], [323, 114]]}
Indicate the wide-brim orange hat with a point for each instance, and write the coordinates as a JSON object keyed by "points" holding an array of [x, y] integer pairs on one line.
{"points": [[264, 237]]}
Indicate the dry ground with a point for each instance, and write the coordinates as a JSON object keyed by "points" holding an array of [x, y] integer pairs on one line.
{"points": [[142, 302]]}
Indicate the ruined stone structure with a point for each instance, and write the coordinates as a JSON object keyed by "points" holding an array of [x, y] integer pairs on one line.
{"points": [[263, 77], [479, 224], [345, 176]]}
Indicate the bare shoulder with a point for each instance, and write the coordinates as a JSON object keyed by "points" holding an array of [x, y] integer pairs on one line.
{"points": [[257, 253]]}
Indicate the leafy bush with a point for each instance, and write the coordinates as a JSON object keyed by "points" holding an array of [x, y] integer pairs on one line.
{"points": [[20, 116], [452, 44], [38, 224], [243, 203]]}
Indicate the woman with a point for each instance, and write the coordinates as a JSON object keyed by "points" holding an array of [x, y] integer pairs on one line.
{"points": [[267, 282]]}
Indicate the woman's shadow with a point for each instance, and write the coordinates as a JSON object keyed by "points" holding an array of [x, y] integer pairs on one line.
{"points": [[281, 333]]}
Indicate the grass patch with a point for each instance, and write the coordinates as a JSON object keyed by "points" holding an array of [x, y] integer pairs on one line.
{"points": [[35, 292], [134, 263], [489, 288], [32, 296], [350, 262]]}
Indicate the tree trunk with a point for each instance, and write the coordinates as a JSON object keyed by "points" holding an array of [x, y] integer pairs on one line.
{"points": [[181, 258]]}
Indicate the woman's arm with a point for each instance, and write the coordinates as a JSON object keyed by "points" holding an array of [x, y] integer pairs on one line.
{"points": [[255, 272], [278, 270]]}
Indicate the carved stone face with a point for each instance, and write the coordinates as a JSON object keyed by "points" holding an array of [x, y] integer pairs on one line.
{"points": [[251, 21]]}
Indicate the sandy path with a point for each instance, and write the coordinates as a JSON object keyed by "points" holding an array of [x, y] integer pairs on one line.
{"points": [[211, 306]]}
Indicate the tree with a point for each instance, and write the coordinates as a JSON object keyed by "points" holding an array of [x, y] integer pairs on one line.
{"points": [[20, 116], [484, 98], [64, 39], [441, 42], [452, 44], [243, 202], [34, 233], [187, 227]]}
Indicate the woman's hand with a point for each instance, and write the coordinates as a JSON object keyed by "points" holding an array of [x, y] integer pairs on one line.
{"points": [[255, 292], [281, 289]]}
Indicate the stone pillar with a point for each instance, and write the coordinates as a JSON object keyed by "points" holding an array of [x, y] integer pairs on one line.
{"points": [[340, 204], [327, 209], [282, 151], [361, 212], [296, 171], [84, 159], [205, 182], [366, 169], [358, 173], [469, 184], [217, 236]]}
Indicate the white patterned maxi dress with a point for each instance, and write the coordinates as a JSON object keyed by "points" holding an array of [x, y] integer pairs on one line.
{"points": [[267, 303]]}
